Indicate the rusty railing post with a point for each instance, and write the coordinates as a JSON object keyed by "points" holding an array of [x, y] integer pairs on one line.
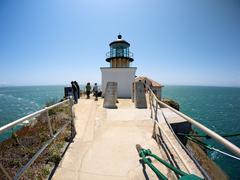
{"points": [[5, 172], [49, 123], [73, 128]]}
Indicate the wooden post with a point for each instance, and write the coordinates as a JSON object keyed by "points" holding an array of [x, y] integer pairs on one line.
{"points": [[49, 123], [150, 104], [5, 172], [73, 128], [156, 111]]}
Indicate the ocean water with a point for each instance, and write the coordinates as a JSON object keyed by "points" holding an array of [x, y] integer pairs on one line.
{"points": [[16, 102], [216, 107]]}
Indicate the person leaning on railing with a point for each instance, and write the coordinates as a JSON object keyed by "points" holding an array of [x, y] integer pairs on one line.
{"points": [[78, 89], [75, 92]]}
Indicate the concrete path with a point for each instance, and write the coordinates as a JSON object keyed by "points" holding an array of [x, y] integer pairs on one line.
{"points": [[104, 147]]}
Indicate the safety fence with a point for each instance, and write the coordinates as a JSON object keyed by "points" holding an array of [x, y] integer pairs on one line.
{"points": [[156, 105], [40, 137]]}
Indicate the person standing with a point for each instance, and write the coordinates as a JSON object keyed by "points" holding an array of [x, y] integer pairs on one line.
{"points": [[74, 90], [95, 91], [88, 90], [78, 89]]}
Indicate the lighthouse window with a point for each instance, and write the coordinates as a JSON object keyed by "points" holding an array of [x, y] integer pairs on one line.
{"points": [[119, 52], [126, 52]]}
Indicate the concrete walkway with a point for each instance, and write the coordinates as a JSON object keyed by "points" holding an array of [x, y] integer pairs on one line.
{"points": [[104, 147]]}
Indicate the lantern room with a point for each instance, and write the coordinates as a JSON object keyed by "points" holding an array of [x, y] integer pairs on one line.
{"points": [[119, 55]]}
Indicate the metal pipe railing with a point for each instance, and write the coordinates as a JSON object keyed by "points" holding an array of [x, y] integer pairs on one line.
{"points": [[154, 110], [30, 162], [53, 136], [230, 146], [21, 120]]}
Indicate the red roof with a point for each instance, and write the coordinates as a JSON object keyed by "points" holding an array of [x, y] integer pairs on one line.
{"points": [[153, 83]]}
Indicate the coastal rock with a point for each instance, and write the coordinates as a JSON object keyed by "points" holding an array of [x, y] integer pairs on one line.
{"points": [[171, 103]]}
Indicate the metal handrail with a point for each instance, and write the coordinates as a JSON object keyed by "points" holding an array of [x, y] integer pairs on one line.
{"points": [[123, 54], [53, 136], [21, 120], [230, 146], [155, 107], [39, 152], [154, 111]]}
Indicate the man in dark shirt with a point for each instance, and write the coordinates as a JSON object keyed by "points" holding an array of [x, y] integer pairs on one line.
{"points": [[75, 95], [78, 89], [88, 90]]}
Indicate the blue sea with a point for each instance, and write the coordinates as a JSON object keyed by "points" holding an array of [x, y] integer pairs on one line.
{"points": [[19, 101], [16, 102], [216, 107]]}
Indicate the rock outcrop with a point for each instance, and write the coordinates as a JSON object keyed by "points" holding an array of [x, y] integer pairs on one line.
{"points": [[171, 103]]}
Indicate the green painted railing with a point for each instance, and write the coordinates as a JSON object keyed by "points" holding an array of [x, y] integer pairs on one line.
{"points": [[143, 153]]}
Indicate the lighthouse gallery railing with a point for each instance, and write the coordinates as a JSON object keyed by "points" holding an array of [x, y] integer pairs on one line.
{"points": [[111, 54]]}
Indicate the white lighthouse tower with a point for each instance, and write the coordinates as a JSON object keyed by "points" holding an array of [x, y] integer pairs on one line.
{"points": [[119, 71]]}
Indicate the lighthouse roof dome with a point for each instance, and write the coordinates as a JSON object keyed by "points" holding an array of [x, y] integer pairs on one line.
{"points": [[119, 42]]}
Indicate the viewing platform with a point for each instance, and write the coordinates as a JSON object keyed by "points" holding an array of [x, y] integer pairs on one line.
{"points": [[88, 140], [129, 133], [105, 144]]}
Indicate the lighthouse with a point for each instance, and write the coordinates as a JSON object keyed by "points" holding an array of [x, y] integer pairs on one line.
{"points": [[119, 58]]}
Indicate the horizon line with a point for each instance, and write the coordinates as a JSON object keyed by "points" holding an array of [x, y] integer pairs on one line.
{"points": [[28, 85]]}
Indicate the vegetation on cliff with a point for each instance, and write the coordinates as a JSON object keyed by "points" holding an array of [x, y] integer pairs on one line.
{"points": [[16, 151]]}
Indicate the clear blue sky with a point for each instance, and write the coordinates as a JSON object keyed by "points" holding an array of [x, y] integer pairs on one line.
{"points": [[187, 42]]}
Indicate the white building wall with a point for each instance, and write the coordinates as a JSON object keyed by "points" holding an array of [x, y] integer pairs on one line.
{"points": [[123, 76]]}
